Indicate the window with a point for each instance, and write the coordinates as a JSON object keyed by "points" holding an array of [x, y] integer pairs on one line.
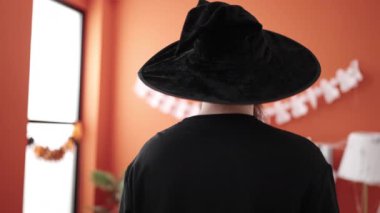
{"points": [[53, 108]]}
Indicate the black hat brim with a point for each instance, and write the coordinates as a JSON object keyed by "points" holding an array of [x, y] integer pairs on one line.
{"points": [[291, 69]]}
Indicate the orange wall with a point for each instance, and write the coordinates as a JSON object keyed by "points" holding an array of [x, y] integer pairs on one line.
{"points": [[15, 25]]}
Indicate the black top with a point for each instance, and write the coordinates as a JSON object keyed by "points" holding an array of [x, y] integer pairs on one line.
{"points": [[228, 163]]}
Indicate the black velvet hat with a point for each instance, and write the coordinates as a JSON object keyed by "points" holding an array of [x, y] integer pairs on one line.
{"points": [[225, 56]]}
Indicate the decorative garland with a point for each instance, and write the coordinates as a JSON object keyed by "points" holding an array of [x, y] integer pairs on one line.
{"points": [[296, 106], [281, 111], [57, 154]]}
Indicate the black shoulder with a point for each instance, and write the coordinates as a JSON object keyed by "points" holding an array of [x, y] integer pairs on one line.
{"points": [[158, 137], [156, 144], [300, 145], [148, 147]]}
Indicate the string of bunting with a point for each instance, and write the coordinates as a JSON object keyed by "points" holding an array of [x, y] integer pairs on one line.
{"points": [[46, 153], [280, 112]]}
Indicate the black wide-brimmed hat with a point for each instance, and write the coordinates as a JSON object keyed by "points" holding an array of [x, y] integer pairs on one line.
{"points": [[225, 56]]}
